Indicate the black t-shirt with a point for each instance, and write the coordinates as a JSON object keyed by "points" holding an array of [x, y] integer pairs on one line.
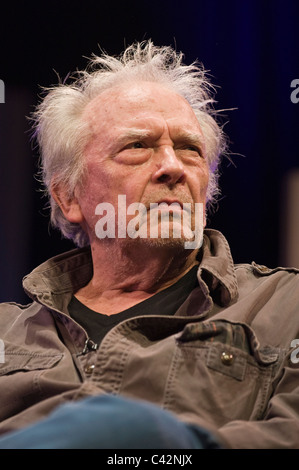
{"points": [[165, 302]]}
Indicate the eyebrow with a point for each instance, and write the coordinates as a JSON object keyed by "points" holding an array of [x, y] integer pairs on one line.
{"points": [[181, 137], [190, 138], [133, 134]]}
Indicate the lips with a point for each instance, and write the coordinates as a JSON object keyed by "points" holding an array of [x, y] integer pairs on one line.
{"points": [[169, 202]]}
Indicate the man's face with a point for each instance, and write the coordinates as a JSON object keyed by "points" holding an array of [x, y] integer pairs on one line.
{"points": [[147, 145]]}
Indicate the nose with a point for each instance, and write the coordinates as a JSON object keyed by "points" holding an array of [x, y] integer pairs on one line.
{"points": [[169, 169]]}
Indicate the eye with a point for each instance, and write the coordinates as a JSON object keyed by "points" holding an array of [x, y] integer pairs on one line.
{"points": [[133, 153], [193, 148], [135, 145]]}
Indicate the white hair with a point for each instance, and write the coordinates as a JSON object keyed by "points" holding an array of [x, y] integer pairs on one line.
{"points": [[62, 135]]}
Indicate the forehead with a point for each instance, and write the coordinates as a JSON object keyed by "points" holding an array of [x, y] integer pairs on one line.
{"points": [[128, 104]]}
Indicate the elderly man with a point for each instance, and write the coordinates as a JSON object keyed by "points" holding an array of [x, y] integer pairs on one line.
{"points": [[148, 316]]}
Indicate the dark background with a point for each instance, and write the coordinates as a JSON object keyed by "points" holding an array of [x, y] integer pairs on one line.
{"points": [[251, 49]]}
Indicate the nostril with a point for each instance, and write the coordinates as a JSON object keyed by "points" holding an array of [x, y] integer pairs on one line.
{"points": [[164, 178], [181, 178], [168, 178]]}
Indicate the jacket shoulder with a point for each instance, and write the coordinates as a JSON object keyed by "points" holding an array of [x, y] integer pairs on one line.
{"points": [[10, 311], [262, 270], [13, 307]]}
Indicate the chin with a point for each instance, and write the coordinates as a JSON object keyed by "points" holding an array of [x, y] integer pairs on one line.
{"points": [[175, 244], [164, 242], [166, 237]]}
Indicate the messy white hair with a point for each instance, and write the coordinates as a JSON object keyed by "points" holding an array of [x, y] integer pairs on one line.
{"points": [[62, 135]]}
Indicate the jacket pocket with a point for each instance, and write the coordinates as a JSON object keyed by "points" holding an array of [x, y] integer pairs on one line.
{"points": [[219, 373], [20, 370], [15, 358]]}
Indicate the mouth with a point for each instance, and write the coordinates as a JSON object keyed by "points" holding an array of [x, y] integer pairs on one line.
{"points": [[174, 203]]}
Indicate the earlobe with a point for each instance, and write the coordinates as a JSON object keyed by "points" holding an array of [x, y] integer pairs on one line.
{"points": [[68, 204]]}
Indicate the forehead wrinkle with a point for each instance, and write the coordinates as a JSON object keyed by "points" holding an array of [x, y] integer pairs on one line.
{"points": [[149, 126]]}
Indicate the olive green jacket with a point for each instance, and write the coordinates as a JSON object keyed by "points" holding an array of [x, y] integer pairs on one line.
{"points": [[223, 361]]}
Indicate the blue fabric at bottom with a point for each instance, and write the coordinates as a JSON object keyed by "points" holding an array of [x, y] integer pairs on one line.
{"points": [[109, 422]]}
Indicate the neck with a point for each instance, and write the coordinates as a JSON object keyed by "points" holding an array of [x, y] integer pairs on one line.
{"points": [[124, 274]]}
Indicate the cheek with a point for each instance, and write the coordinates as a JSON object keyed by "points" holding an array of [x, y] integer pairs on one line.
{"points": [[97, 182], [104, 182], [200, 181], [205, 184], [204, 176], [94, 189]]}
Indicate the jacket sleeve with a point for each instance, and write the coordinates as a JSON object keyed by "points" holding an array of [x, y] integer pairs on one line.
{"points": [[280, 427]]}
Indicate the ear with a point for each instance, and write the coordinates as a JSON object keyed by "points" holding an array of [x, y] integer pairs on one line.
{"points": [[69, 205]]}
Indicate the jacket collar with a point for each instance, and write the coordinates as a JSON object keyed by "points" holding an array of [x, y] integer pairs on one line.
{"points": [[53, 282], [217, 268]]}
